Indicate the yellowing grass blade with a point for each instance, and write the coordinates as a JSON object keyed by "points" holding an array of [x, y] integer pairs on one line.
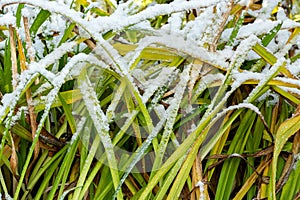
{"points": [[285, 130]]}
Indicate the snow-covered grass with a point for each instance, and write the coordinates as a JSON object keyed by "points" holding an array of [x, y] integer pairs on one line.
{"points": [[149, 99]]}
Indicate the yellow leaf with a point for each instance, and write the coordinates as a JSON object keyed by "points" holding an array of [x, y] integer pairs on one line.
{"points": [[294, 34], [84, 3]]}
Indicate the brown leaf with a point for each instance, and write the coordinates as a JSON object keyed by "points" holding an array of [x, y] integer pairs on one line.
{"points": [[14, 159]]}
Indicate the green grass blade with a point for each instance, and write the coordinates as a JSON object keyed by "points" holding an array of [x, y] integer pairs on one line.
{"points": [[236, 29], [47, 176], [67, 33], [230, 167], [66, 165], [269, 37], [19, 14], [292, 185], [68, 114], [101, 124], [39, 20], [171, 112]]}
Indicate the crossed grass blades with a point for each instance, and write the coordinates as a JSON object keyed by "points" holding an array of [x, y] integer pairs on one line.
{"points": [[170, 74]]}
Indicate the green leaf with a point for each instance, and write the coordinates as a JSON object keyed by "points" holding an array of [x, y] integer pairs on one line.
{"points": [[39, 20], [236, 29], [229, 169], [19, 14], [269, 37], [6, 82], [292, 185], [67, 33], [68, 113]]}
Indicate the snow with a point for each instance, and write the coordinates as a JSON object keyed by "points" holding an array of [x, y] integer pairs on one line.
{"points": [[9, 100], [56, 23], [285, 49], [38, 46], [270, 102], [113, 22], [49, 5], [99, 119], [79, 127], [243, 49], [196, 29], [297, 160], [2, 44], [18, 115], [281, 14], [211, 78], [93, 5], [26, 12], [239, 106], [294, 67], [92, 105], [104, 24], [267, 8], [200, 184], [7, 19], [269, 74], [259, 28], [160, 110], [244, 2], [187, 40], [110, 113], [56, 54], [153, 84], [141, 150], [171, 112], [288, 80], [92, 60], [175, 22], [8, 197], [35, 68], [187, 47], [206, 81], [62, 75], [111, 57], [241, 77], [204, 28], [290, 90]]}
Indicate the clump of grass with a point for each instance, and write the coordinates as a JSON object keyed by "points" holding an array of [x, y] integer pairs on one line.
{"points": [[149, 100]]}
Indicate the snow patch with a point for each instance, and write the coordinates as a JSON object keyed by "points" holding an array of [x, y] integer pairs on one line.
{"points": [[7, 19], [200, 184]]}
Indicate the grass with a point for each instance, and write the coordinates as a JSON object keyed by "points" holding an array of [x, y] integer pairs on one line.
{"points": [[187, 102]]}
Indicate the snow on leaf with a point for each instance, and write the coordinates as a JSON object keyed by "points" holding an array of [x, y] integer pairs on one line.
{"points": [[139, 153], [187, 47], [152, 85], [113, 22], [100, 122], [171, 114], [268, 75]]}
